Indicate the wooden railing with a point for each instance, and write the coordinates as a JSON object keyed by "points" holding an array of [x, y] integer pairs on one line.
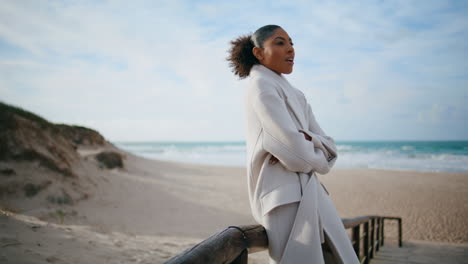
{"points": [[372, 236], [233, 244]]}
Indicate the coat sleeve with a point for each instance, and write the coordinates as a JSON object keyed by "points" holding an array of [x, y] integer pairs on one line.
{"points": [[315, 131], [282, 139]]}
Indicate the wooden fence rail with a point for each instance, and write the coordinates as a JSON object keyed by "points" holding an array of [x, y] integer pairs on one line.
{"points": [[233, 244]]}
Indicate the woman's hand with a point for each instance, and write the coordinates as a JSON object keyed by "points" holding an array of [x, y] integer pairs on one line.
{"points": [[273, 160]]}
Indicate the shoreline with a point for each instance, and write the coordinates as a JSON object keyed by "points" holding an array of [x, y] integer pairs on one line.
{"points": [[176, 163], [430, 156]]}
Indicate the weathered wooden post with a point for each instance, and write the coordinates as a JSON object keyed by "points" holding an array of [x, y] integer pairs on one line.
{"points": [[379, 226], [400, 243], [356, 239], [366, 242], [372, 237], [243, 258], [230, 245], [382, 230]]}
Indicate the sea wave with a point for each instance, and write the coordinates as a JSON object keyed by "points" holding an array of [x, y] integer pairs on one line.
{"points": [[415, 162], [417, 156], [407, 147], [345, 147]]}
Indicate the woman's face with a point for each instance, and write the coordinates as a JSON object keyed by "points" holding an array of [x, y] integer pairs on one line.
{"points": [[277, 53]]}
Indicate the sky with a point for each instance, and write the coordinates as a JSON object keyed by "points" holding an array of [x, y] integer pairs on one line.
{"points": [[157, 70]]}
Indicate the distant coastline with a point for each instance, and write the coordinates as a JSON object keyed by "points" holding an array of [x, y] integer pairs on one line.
{"points": [[405, 155]]}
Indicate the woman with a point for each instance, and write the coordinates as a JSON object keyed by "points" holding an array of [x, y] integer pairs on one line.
{"points": [[285, 148]]}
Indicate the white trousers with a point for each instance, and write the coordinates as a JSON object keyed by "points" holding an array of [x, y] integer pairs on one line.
{"points": [[278, 224]]}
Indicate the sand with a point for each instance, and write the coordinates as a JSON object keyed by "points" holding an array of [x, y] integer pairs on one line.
{"points": [[151, 210]]}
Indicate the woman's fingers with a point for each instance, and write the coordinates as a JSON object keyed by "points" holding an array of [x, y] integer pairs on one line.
{"points": [[307, 137]]}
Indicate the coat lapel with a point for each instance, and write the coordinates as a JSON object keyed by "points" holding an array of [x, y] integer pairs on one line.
{"points": [[295, 106], [290, 97]]}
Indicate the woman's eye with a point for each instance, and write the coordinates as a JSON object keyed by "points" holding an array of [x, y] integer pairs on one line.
{"points": [[281, 43]]}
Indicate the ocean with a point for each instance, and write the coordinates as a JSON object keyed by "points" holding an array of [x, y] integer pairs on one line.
{"points": [[437, 156]]}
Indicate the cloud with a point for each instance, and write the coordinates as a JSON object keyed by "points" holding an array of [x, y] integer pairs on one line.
{"points": [[105, 66], [158, 67]]}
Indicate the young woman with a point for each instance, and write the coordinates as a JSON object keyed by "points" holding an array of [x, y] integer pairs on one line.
{"points": [[285, 148]]}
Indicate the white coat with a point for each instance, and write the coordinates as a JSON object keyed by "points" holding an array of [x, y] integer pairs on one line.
{"points": [[275, 113]]}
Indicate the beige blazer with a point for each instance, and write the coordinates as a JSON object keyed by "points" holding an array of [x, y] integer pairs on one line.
{"points": [[275, 113]]}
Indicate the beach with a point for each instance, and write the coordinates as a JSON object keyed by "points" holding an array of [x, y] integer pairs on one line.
{"points": [[127, 131], [151, 210]]}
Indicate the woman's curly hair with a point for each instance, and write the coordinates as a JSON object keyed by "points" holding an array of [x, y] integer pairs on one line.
{"points": [[241, 58]]}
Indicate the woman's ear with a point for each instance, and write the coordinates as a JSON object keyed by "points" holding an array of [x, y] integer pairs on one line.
{"points": [[258, 53]]}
